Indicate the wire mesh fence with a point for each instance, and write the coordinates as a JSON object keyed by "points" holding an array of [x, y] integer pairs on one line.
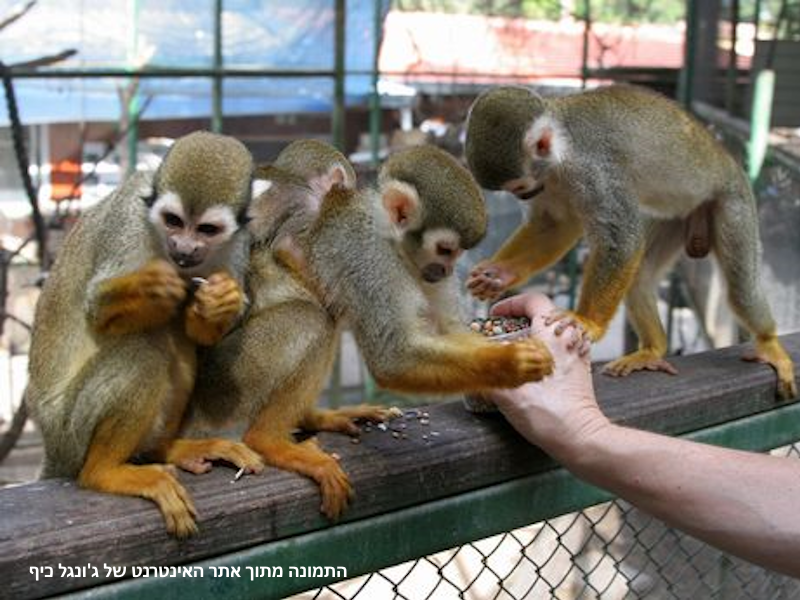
{"points": [[611, 551]]}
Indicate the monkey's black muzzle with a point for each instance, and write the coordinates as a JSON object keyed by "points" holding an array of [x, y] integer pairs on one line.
{"points": [[186, 261]]}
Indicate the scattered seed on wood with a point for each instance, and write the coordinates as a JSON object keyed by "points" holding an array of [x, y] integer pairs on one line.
{"points": [[395, 434], [335, 456], [382, 426], [238, 475], [355, 440]]}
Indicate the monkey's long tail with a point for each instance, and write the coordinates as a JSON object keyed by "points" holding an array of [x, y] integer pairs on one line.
{"points": [[10, 437]]}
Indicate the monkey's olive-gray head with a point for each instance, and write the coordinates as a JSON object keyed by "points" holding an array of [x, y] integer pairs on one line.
{"points": [[206, 169], [449, 196], [496, 126], [309, 158]]}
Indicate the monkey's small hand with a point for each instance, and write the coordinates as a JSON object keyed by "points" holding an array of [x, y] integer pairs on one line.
{"points": [[512, 364], [488, 280], [214, 309], [145, 299]]}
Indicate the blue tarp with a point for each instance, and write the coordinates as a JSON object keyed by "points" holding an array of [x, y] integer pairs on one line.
{"points": [[260, 34]]}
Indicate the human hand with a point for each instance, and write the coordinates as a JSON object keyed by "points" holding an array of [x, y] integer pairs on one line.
{"points": [[561, 411]]}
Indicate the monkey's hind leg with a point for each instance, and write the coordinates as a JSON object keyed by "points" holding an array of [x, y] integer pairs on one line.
{"points": [[344, 420], [663, 244], [196, 455], [106, 469], [270, 436], [736, 245]]}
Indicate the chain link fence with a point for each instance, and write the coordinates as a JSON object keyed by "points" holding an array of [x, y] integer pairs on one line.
{"points": [[611, 551]]}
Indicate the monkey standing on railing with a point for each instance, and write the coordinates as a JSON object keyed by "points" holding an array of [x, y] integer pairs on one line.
{"points": [[640, 178], [112, 359]]}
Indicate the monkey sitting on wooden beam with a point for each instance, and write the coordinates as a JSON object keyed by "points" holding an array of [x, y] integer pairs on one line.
{"points": [[640, 178], [112, 359]]}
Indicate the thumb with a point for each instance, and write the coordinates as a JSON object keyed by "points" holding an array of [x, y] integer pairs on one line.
{"points": [[530, 304]]}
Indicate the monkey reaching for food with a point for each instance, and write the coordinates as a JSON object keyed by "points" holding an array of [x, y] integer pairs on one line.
{"points": [[384, 260], [322, 253], [270, 371], [112, 360], [640, 178]]}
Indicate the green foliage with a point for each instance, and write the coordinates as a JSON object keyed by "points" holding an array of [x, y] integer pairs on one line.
{"points": [[613, 11]]}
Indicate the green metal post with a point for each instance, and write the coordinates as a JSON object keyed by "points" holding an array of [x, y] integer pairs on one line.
{"points": [[133, 98], [686, 81], [733, 61], [760, 118], [216, 93], [375, 98], [756, 19], [587, 27], [337, 118]]}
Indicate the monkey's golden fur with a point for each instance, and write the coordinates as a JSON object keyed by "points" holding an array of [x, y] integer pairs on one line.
{"points": [[640, 178], [111, 361]]}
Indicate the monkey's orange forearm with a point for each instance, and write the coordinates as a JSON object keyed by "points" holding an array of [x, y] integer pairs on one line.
{"points": [[602, 292], [537, 244], [143, 300], [465, 363]]}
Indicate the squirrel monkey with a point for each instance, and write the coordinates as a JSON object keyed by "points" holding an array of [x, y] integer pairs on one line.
{"points": [[112, 359], [384, 259], [640, 178], [270, 371]]}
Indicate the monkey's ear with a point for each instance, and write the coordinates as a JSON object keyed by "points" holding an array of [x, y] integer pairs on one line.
{"points": [[401, 203], [149, 198], [259, 186], [336, 175], [540, 138]]}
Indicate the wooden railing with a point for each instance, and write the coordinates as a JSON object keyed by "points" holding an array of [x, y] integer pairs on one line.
{"points": [[423, 485]]}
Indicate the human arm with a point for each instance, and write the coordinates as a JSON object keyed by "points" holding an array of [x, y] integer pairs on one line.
{"points": [[741, 502]]}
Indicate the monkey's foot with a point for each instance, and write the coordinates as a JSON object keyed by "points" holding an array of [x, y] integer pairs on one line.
{"points": [[488, 280], [214, 309], [771, 352], [641, 360], [196, 456], [343, 420], [569, 319], [308, 459], [334, 485], [154, 482]]}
